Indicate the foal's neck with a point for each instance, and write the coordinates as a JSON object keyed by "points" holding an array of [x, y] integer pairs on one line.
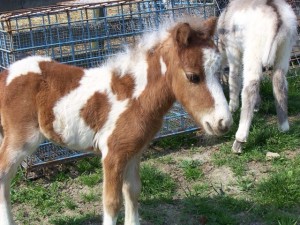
{"points": [[158, 96]]}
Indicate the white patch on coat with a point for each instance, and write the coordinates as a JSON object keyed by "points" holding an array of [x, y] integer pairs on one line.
{"points": [[71, 126], [25, 66], [140, 74], [212, 61], [101, 137], [163, 66], [68, 123]]}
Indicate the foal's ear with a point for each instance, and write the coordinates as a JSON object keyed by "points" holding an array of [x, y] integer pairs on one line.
{"points": [[183, 34], [209, 26]]}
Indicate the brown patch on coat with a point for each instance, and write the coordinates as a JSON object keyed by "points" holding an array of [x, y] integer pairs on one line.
{"points": [[58, 81], [96, 110], [122, 86], [18, 115]]}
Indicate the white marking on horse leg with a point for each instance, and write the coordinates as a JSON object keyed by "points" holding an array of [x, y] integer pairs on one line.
{"points": [[131, 191], [5, 206], [257, 103], [284, 127], [25, 66], [163, 66], [280, 85], [235, 83], [108, 219], [280, 94], [249, 96]]}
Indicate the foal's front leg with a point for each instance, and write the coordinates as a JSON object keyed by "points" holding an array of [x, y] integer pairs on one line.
{"points": [[250, 94], [235, 83], [113, 169], [131, 191]]}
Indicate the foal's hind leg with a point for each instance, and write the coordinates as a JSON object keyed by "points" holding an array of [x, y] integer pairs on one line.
{"points": [[280, 86], [15, 147], [131, 191], [252, 75]]}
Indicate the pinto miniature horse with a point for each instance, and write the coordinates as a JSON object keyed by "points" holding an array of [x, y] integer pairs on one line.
{"points": [[115, 109], [256, 34]]}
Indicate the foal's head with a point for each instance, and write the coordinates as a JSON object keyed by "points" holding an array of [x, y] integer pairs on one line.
{"points": [[192, 68]]}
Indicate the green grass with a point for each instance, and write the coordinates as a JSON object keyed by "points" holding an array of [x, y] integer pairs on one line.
{"points": [[90, 197], [76, 220], [282, 188], [90, 180], [46, 199]]}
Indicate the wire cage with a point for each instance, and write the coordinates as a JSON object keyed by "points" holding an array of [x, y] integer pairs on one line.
{"points": [[85, 35]]}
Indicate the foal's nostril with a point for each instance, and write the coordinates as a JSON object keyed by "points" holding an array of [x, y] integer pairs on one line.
{"points": [[222, 126], [208, 126]]}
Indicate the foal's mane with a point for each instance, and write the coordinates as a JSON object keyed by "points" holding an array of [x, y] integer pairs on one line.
{"points": [[150, 39]]}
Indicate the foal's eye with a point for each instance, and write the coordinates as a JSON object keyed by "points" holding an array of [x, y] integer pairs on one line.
{"points": [[193, 77]]}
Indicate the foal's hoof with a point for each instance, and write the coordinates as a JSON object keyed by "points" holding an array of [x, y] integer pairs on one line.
{"points": [[237, 147]]}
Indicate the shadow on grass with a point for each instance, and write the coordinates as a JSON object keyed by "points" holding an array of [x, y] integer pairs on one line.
{"points": [[195, 210], [88, 219]]}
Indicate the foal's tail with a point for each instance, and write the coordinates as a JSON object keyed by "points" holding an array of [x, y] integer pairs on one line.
{"points": [[283, 33]]}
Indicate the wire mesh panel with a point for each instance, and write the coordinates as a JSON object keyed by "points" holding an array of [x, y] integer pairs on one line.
{"points": [[295, 59], [85, 35]]}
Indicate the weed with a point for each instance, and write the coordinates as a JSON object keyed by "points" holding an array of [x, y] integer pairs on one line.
{"points": [[90, 180], [69, 203], [90, 197], [287, 222], [245, 184], [156, 184], [191, 169]]}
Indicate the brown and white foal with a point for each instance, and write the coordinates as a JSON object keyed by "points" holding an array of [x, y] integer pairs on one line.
{"points": [[115, 109]]}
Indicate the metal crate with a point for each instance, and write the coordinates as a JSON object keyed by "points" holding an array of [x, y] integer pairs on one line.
{"points": [[85, 35]]}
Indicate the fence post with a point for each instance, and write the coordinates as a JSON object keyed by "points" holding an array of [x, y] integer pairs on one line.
{"points": [[98, 13]]}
